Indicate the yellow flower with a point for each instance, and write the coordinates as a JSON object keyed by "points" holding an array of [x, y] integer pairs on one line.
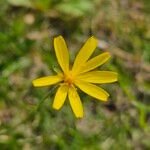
{"points": [[81, 75]]}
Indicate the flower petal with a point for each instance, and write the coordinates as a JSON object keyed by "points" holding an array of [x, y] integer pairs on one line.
{"points": [[46, 81], [92, 90], [75, 102], [60, 96], [62, 54], [99, 77], [84, 54], [95, 62]]}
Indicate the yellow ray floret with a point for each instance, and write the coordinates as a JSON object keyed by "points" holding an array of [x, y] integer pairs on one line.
{"points": [[81, 75], [75, 102], [46, 81], [92, 90], [60, 96], [62, 54], [95, 62], [99, 77], [84, 54]]}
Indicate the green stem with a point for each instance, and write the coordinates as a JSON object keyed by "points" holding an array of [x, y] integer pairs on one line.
{"points": [[42, 101]]}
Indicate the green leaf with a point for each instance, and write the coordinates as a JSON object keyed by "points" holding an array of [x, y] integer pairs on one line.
{"points": [[75, 8], [16, 65]]}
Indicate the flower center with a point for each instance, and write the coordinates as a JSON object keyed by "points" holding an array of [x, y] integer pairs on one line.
{"points": [[68, 78]]}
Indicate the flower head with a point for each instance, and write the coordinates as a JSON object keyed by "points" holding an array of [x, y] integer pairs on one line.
{"points": [[81, 75]]}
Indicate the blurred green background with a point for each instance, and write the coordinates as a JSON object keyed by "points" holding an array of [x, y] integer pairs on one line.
{"points": [[27, 29]]}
